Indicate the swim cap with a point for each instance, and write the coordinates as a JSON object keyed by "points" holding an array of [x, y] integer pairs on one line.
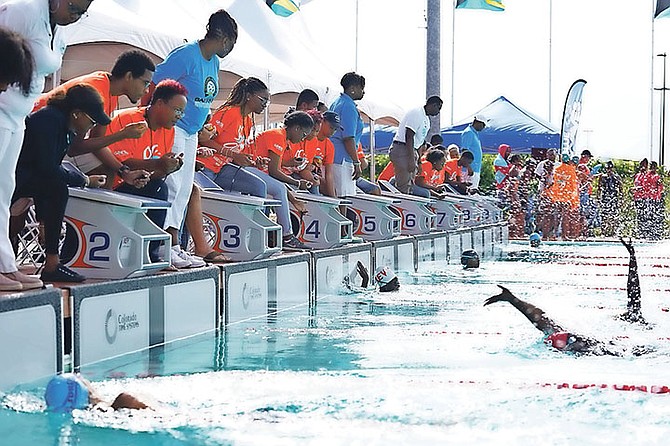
{"points": [[384, 275], [534, 239], [558, 340], [65, 393], [386, 279], [565, 158], [470, 258]]}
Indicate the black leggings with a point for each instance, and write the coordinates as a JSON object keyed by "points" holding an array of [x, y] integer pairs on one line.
{"points": [[50, 196]]}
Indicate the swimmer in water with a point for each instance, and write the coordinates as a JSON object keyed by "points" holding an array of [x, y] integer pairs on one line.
{"points": [[557, 336], [68, 391], [384, 277], [633, 311]]}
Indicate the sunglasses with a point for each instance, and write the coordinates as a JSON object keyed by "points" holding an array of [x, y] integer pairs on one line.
{"points": [[264, 101]]}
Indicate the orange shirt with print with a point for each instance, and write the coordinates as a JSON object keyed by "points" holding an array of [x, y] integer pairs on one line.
{"points": [[152, 144], [323, 149], [430, 175], [298, 150], [452, 171], [233, 131], [274, 141], [566, 185], [99, 80], [359, 152]]}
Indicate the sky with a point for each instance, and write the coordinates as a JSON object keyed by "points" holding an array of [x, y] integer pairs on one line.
{"points": [[609, 44]]}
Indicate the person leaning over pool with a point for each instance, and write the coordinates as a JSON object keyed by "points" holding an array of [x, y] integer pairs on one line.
{"points": [[40, 175], [38, 22]]}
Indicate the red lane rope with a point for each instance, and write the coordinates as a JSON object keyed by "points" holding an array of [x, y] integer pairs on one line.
{"points": [[499, 333], [654, 389]]}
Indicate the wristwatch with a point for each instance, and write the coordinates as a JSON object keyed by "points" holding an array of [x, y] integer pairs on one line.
{"points": [[123, 169]]}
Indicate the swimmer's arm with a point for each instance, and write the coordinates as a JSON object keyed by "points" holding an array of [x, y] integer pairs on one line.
{"points": [[128, 401], [363, 272]]}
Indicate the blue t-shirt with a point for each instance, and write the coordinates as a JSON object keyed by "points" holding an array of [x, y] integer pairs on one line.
{"points": [[200, 77], [352, 126], [470, 141]]}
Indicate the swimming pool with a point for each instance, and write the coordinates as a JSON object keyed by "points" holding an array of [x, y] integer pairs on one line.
{"points": [[427, 365]]}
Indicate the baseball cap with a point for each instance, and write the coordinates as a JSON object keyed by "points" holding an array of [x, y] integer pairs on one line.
{"points": [[65, 393], [481, 118], [332, 118], [88, 100]]}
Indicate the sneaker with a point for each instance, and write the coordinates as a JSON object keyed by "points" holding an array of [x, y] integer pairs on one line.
{"points": [[196, 262], [62, 274], [177, 260], [7, 284], [28, 282], [292, 243]]}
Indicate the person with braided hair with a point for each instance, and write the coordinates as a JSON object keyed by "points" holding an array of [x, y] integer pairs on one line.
{"points": [[195, 65], [227, 152]]}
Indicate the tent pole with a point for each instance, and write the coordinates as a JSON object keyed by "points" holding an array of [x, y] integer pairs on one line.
{"points": [[453, 55], [551, 23], [433, 57], [356, 52], [372, 150], [651, 102]]}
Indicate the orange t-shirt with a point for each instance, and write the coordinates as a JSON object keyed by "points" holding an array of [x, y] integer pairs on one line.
{"points": [[233, 130], [324, 150], [273, 140], [359, 152], [100, 80], [295, 151], [432, 176], [566, 185], [452, 171], [152, 144], [387, 173]]}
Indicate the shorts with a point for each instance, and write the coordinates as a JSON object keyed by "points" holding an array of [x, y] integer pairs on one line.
{"points": [[86, 162], [345, 185]]}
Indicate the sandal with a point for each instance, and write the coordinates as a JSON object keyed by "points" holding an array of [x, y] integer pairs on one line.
{"points": [[217, 257]]}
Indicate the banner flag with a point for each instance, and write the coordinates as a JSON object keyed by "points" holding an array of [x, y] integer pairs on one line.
{"points": [[489, 5], [571, 116], [662, 9]]}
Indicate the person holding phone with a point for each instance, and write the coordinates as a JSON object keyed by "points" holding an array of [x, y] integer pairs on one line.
{"points": [[152, 153], [272, 144]]}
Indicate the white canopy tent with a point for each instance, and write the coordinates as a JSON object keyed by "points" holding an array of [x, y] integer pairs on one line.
{"points": [[268, 47]]}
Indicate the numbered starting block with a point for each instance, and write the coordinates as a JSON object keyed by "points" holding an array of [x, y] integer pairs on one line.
{"points": [[375, 219], [323, 226], [108, 234], [490, 204], [447, 215], [415, 214], [236, 224]]}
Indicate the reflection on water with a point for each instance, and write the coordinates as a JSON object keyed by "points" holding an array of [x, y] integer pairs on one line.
{"points": [[414, 367]]}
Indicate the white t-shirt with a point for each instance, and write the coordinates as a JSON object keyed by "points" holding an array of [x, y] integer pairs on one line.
{"points": [[30, 18], [417, 120]]}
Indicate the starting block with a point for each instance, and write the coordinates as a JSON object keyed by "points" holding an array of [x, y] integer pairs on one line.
{"points": [[416, 216], [473, 214], [323, 226], [375, 217], [236, 223], [447, 216], [108, 234]]}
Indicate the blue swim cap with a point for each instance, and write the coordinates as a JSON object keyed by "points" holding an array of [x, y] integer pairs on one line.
{"points": [[534, 239], [65, 393]]}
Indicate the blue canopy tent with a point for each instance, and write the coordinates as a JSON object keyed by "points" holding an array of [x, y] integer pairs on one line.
{"points": [[508, 124]]}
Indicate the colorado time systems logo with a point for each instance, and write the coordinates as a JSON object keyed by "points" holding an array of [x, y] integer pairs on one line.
{"points": [[119, 323]]}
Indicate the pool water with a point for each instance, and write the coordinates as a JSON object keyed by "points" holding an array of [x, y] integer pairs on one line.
{"points": [[424, 366]]}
